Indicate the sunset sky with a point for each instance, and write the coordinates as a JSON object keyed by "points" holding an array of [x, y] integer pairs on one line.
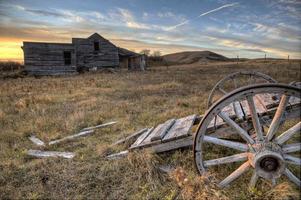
{"points": [[245, 28]]}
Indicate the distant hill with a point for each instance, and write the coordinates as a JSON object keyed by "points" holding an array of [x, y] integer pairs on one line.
{"points": [[188, 57]]}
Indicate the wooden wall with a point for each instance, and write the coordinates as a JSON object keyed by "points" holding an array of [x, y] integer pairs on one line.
{"points": [[87, 57], [137, 63], [47, 57]]}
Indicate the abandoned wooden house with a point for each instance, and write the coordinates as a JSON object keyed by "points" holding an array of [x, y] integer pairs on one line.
{"points": [[92, 53]]}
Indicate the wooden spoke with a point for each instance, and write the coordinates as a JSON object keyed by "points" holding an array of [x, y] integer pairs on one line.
{"points": [[234, 82], [228, 159], [277, 118], [292, 160], [255, 119], [222, 90], [250, 79], [237, 109], [292, 177], [253, 180], [288, 134], [234, 125], [273, 182], [291, 148], [233, 145], [234, 175]]}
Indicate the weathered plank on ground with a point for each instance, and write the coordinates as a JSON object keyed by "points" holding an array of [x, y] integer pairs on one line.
{"points": [[118, 155], [98, 126], [36, 140], [130, 137], [70, 137], [180, 128], [166, 168], [161, 130], [141, 138], [41, 154]]}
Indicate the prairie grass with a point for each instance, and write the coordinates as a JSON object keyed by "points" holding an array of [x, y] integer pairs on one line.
{"points": [[54, 107]]}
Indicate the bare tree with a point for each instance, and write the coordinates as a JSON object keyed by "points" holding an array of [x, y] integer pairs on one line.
{"points": [[145, 52], [156, 54]]}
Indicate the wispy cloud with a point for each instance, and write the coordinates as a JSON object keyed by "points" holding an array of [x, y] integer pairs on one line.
{"points": [[203, 14]]}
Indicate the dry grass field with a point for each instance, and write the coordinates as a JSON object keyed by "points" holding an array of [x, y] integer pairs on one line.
{"points": [[53, 107]]}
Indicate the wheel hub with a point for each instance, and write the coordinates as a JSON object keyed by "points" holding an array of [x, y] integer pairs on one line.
{"points": [[268, 161], [269, 164]]}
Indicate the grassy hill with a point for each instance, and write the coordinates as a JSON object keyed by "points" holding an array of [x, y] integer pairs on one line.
{"points": [[188, 57]]}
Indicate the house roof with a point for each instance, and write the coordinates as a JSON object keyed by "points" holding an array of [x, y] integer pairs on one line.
{"points": [[125, 52]]}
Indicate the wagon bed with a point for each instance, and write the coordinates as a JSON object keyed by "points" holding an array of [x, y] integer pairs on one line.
{"points": [[178, 133]]}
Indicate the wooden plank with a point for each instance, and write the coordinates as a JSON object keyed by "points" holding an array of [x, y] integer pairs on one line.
{"points": [[260, 107], [294, 101], [118, 155], [141, 138], [99, 126], [70, 137], [245, 107], [161, 130], [173, 145], [130, 137], [42, 154], [147, 141], [36, 140], [269, 100], [229, 110], [180, 128], [215, 123], [166, 168]]}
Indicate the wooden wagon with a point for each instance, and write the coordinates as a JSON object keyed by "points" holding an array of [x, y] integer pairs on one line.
{"points": [[258, 120]]}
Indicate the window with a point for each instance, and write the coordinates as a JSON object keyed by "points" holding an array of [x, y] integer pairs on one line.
{"points": [[96, 46], [67, 57]]}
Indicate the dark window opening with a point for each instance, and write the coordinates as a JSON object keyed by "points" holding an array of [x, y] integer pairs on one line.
{"points": [[67, 57], [96, 46]]}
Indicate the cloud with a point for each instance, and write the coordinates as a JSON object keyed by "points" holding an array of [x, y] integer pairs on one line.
{"points": [[45, 13], [217, 9], [203, 14], [254, 50], [251, 35]]}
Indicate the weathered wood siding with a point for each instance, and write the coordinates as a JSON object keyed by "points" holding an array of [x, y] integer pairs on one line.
{"points": [[86, 56], [47, 57]]}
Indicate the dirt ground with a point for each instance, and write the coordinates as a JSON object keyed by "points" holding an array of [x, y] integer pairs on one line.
{"points": [[54, 107]]}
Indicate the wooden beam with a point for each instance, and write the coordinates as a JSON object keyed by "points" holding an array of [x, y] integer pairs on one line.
{"points": [[99, 126], [42, 154], [36, 140], [70, 137], [118, 155], [130, 137]]}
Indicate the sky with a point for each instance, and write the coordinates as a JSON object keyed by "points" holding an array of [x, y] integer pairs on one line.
{"points": [[232, 28]]}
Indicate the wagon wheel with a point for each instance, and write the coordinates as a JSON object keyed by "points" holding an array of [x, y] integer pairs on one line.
{"points": [[270, 154], [234, 81]]}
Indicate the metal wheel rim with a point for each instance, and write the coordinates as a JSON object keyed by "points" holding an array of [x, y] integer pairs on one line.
{"points": [[233, 76]]}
